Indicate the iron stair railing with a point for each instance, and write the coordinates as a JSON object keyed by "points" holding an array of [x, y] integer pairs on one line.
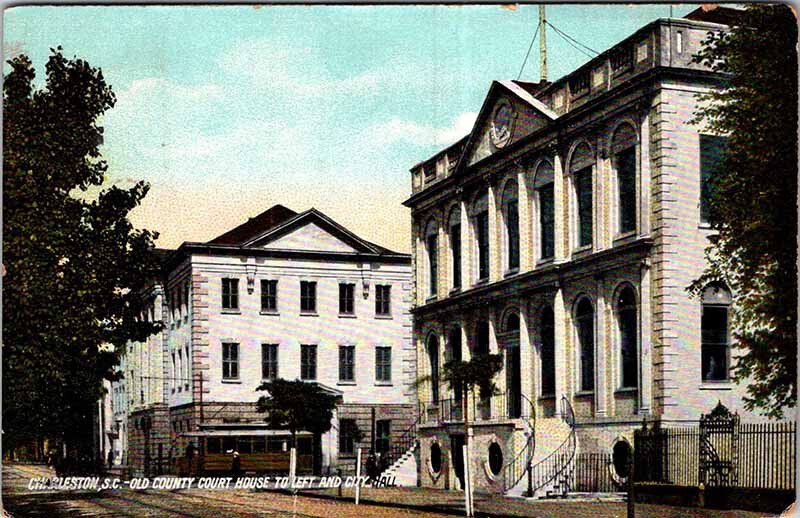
{"points": [[557, 463], [515, 469]]}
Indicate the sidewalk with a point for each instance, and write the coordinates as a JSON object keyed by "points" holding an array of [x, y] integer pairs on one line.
{"points": [[452, 503]]}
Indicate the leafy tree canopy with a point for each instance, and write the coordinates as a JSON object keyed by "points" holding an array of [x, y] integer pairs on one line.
{"points": [[478, 372], [297, 405], [74, 264], [753, 198]]}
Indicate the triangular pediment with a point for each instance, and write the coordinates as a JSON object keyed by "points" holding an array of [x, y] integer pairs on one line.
{"points": [[309, 237], [508, 114], [312, 231]]}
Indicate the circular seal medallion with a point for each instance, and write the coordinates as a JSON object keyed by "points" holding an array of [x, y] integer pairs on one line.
{"points": [[502, 124]]}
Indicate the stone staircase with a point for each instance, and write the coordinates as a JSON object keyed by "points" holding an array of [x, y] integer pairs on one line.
{"points": [[553, 462], [403, 471]]}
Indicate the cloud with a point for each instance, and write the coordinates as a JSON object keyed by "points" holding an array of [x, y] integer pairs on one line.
{"points": [[410, 132]]}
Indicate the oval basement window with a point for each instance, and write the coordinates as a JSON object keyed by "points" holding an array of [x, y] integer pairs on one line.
{"points": [[621, 458], [495, 458], [436, 458]]}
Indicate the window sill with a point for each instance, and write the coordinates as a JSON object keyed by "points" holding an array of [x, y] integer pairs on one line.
{"points": [[455, 290], [547, 397], [346, 383], [481, 282], [585, 393], [544, 261], [384, 384], [267, 380], [269, 313], [308, 314], [705, 226], [627, 236], [347, 315], [384, 317], [231, 312], [582, 251], [232, 381], [431, 298], [511, 273], [716, 385], [626, 390]]}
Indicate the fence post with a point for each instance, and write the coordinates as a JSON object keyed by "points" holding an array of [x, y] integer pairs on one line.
{"points": [[358, 474], [631, 488]]}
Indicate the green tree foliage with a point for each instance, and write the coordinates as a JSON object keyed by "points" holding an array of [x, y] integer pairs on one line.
{"points": [[74, 264], [297, 405], [479, 372], [753, 199]]}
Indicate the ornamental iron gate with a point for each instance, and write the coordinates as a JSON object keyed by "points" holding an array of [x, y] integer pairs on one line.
{"points": [[719, 447]]}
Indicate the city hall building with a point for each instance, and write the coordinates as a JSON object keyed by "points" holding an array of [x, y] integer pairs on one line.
{"points": [[284, 295], [562, 233]]}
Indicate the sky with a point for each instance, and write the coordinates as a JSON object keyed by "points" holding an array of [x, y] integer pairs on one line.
{"points": [[227, 110]]}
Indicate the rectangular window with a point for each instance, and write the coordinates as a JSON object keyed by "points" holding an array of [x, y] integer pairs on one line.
{"points": [[715, 343], [230, 293], [347, 299], [626, 185], [712, 153], [383, 364], [308, 297], [547, 221], [347, 434], [383, 300], [269, 361], [308, 362], [583, 193], [482, 230], [383, 432], [269, 295], [347, 363], [455, 246], [432, 244], [230, 361]]}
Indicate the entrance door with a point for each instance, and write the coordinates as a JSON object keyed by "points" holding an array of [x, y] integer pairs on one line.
{"points": [[457, 457]]}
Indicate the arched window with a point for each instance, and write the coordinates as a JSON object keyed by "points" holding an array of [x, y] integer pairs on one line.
{"points": [[454, 233], [580, 169], [584, 321], [547, 351], [511, 217], [545, 201], [432, 248], [480, 223], [623, 151], [433, 359], [715, 334], [627, 320]]}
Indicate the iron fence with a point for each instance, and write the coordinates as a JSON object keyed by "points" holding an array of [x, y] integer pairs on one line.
{"points": [[751, 455]]}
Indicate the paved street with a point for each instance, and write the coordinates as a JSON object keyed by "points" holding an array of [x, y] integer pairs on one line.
{"points": [[21, 502]]}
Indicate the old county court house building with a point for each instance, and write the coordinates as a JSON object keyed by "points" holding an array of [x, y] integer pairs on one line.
{"points": [[562, 232], [283, 295]]}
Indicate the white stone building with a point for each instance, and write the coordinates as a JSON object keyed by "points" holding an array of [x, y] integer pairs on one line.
{"points": [[562, 233], [284, 295]]}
